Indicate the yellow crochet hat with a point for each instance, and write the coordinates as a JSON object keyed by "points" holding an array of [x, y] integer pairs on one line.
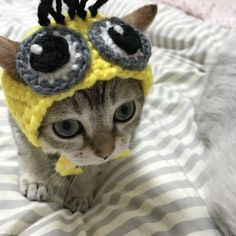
{"points": [[29, 107], [87, 49]]}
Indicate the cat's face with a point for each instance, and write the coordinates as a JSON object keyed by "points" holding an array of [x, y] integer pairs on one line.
{"points": [[94, 125]]}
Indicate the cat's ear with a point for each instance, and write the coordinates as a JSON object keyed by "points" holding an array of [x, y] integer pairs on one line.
{"points": [[8, 50], [142, 17]]}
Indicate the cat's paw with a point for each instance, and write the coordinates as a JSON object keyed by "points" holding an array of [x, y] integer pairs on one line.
{"points": [[78, 203], [34, 191]]}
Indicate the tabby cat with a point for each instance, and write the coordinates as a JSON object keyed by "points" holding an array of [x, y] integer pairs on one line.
{"points": [[89, 128]]}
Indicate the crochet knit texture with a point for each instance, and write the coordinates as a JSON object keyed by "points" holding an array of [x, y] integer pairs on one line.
{"points": [[29, 108]]}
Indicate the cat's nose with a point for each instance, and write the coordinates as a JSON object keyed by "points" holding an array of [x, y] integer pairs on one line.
{"points": [[104, 145], [105, 150]]}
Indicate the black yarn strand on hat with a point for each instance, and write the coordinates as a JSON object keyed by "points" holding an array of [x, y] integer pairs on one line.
{"points": [[82, 13], [46, 8], [75, 7], [94, 8], [71, 4]]}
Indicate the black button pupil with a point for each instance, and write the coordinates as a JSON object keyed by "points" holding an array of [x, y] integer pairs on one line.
{"points": [[129, 41], [50, 47], [55, 54]]}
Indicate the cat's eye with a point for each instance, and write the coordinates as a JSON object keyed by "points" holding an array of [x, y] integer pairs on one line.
{"points": [[121, 43], [67, 128], [53, 60], [124, 112]]}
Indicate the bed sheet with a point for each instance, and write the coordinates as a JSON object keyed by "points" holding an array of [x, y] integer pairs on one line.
{"points": [[160, 190]]}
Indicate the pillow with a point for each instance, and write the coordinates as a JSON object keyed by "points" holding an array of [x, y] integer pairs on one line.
{"points": [[222, 12]]}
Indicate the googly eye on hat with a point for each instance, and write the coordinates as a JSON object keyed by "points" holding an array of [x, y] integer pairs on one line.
{"points": [[121, 43], [53, 60]]}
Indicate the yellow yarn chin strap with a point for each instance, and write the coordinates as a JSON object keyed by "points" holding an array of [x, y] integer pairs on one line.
{"points": [[65, 167]]}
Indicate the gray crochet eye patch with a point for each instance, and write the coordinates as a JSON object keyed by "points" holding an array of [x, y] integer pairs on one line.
{"points": [[53, 60], [120, 43]]}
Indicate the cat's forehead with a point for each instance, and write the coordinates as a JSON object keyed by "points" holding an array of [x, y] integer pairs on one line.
{"points": [[100, 96], [113, 90]]}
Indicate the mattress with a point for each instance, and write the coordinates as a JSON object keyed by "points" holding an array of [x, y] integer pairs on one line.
{"points": [[160, 190]]}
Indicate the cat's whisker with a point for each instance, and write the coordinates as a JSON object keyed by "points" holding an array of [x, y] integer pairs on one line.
{"points": [[55, 189], [50, 179], [56, 186], [71, 179], [59, 187], [45, 172]]}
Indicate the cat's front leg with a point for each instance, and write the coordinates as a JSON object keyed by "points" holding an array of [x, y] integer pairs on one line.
{"points": [[34, 168], [79, 202], [80, 195], [35, 174]]}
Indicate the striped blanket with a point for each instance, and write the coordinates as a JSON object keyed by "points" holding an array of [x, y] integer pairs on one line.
{"points": [[160, 190]]}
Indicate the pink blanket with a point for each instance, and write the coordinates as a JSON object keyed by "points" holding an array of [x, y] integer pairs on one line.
{"points": [[222, 12]]}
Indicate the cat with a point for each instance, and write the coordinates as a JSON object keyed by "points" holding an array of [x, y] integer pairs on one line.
{"points": [[216, 119], [99, 137], [89, 128]]}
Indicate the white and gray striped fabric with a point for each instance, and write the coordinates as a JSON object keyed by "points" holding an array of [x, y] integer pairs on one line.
{"points": [[159, 191]]}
